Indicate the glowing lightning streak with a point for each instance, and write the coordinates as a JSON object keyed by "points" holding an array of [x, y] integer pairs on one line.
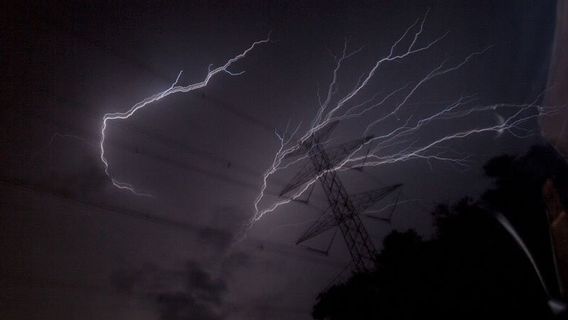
{"points": [[174, 88], [400, 136]]}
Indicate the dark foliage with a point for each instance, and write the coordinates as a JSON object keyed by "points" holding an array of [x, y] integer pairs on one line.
{"points": [[471, 269]]}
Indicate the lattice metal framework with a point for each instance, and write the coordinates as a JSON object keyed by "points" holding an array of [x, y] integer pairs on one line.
{"points": [[343, 212]]}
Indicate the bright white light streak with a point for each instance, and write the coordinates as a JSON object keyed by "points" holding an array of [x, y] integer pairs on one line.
{"points": [[173, 89], [406, 134]]}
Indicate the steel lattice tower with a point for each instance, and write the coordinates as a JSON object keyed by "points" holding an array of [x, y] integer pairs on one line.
{"points": [[356, 237], [344, 210]]}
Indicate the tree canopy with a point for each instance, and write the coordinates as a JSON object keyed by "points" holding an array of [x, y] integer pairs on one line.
{"points": [[471, 268]]}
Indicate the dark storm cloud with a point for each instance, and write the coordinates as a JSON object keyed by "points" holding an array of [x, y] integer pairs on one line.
{"points": [[200, 299], [192, 291], [216, 237], [223, 225], [233, 261], [182, 306], [189, 293], [204, 286]]}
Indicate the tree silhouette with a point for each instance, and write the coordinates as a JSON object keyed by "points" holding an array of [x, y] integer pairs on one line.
{"points": [[471, 268]]}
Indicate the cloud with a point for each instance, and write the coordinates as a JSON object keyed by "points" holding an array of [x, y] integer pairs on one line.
{"points": [[200, 295], [192, 290], [203, 286], [226, 223], [184, 306]]}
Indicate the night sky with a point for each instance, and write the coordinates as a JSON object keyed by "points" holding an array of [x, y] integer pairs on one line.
{"points": [[72, 246]]}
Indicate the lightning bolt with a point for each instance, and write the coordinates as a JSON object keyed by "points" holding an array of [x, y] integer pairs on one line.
{"points": [[173, 89], [396, 136]]}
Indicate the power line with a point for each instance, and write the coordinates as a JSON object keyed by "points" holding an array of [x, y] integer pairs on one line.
{"points": [[152, 218]]}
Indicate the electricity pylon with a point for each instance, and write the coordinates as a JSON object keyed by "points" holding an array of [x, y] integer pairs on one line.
{"points": [[343, 211]]}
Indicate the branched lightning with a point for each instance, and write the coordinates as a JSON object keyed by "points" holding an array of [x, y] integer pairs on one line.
{"points": [[174, 88], [400, 138]]}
